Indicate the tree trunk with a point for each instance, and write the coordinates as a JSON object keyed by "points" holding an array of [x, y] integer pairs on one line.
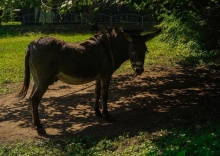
{"points": [[1, 12], [38, 16]]}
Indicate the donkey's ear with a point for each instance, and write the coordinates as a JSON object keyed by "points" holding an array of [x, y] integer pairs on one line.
{"points": [[128, 37], [150, 36]]}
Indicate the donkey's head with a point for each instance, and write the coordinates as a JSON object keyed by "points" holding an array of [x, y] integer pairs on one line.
{"points": [[138, 49]]}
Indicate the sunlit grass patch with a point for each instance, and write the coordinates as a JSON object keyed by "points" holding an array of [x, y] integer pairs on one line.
{"points": [[160, 53], [12, 52]]}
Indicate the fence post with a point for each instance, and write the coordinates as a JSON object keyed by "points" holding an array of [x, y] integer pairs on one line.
{"points": [[142, 21], [45, 17], [152, 18], [23, 19], [52, 18]]}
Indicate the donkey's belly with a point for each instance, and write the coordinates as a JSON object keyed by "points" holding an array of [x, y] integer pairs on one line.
{"points": [[74, 80]]}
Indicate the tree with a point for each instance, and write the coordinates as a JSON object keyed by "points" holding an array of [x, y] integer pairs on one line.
{"points": [[1, 11], [8, 7], [191, 22]]}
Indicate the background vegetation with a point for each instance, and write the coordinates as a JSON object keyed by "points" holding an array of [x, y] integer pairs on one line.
{"points": [[14, 40], [191, 27]]}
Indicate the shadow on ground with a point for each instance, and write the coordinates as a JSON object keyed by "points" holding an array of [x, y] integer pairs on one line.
{"points": [[161, 98]]}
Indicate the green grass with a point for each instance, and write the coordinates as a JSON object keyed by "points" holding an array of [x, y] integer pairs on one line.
{"points": [[11, 23], [179, 142], [160, 54], [14, 40], [12, 52]]}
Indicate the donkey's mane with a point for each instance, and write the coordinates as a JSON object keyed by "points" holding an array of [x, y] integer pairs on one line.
{"points": [[109, 31]]}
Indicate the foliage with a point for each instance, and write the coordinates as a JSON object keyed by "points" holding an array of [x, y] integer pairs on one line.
{"points": [[177, 141], [183, 142], [57, 6], [8, 7], [191, 26], [13, 4]]}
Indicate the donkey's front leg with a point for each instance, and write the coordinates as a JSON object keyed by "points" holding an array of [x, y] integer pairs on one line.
{"points": [[104, 92], [97, 97]]}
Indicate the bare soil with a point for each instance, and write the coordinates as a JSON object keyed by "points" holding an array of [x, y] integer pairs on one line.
{"points": [[161, 98]]}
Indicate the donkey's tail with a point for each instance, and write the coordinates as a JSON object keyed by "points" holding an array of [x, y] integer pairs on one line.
{"points": [[26, 81]]}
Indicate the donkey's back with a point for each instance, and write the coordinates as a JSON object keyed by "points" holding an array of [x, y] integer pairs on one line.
{"points": [[71, 63]]}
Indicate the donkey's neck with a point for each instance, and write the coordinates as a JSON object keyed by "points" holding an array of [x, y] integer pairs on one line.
{"points": [[117, 47], [120, 50], [119, 58]]}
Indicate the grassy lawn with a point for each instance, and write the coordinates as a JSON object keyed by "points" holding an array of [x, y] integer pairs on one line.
{"points": [[177, 141], [12, 52], [13, 46]]}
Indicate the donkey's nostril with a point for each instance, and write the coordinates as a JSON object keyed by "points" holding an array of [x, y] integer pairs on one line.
{"points": [[138, 67], [138, 71]]}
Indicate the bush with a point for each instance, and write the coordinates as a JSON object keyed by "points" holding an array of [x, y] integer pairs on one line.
{"points": [[191, 27]]}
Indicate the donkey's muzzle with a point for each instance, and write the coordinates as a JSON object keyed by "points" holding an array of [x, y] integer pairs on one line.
{"points": [[138, 67]]}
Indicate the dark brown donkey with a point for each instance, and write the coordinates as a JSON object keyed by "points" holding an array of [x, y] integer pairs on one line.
{"points": [[49, 59]]}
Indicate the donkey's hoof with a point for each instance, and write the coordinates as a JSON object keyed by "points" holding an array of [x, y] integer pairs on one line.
{"points": [[98, 114], [108, 117], [41, 131]]}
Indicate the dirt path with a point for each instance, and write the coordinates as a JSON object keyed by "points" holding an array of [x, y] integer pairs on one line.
{"points": [[160, 98]]}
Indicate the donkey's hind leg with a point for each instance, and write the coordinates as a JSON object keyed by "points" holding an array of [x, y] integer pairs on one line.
{"points": [[35, 98]]}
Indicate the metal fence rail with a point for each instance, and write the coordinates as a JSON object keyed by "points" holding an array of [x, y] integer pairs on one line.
{"points": [[126, 19], [51, 18]]}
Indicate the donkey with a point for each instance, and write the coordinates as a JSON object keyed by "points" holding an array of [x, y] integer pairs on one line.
{"points": [[48, 59]]}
